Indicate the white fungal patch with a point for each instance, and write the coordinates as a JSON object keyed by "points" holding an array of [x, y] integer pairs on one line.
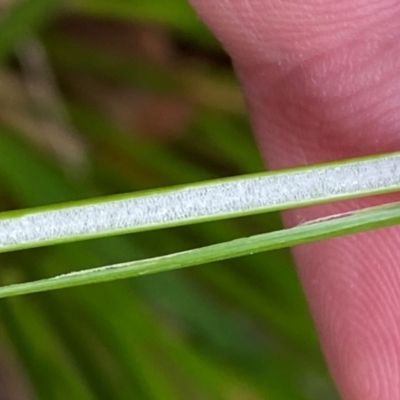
{"points": [[200, 202]]}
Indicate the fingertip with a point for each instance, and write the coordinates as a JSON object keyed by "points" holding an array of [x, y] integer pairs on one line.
{"points": [[322, 81]]}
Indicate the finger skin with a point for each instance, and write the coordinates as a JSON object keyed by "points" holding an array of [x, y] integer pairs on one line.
{"points": [[322, 83]]}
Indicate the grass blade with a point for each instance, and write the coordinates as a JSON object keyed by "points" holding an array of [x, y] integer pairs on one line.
{"points": [[375, 217], [199, 202]]}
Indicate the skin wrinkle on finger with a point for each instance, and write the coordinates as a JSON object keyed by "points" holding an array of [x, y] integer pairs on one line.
{"points": [[334, 99], [368, 368], [360, 329], [330, 94], [281, 30]]}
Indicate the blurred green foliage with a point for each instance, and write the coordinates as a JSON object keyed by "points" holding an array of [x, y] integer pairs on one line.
{"points": [[100, 97]]}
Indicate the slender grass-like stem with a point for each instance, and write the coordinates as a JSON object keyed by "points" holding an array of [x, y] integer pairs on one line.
{"points": [[200, 202], [375, 217]]}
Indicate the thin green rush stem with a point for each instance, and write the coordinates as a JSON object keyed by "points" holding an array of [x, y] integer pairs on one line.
{"points": [[213, 200], [376, 217]]}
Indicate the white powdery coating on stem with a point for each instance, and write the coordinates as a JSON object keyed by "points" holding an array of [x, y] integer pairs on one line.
{"points": [[202, 202]]}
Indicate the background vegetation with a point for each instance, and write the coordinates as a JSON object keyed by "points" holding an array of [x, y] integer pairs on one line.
{"points": [[103, 97]]}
